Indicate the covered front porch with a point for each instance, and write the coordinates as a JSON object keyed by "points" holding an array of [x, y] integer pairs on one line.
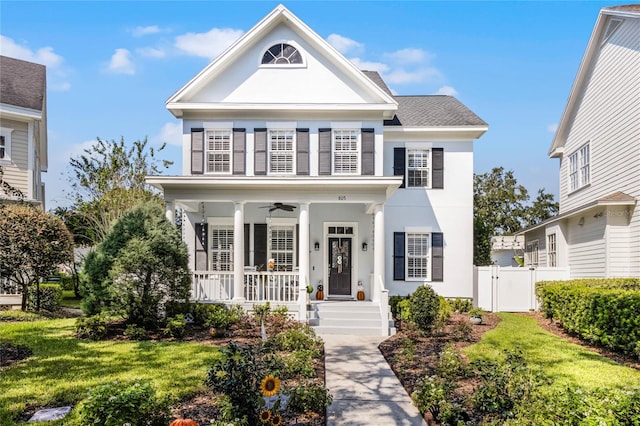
{"points": [[287, 233]]}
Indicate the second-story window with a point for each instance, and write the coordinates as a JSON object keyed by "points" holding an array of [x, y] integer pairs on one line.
{"points": [[219, 151], [3, 147], [346, 152], [282, 151], [579, 168], [418, 168]]}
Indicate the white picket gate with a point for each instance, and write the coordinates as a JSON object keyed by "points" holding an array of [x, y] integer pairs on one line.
{"points": [[509, 289]]}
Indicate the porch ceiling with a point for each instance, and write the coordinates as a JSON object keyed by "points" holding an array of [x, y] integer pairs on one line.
{"points": [[188, 190]]}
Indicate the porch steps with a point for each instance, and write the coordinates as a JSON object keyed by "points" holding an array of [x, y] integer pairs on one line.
{"points": [[360, 318]]}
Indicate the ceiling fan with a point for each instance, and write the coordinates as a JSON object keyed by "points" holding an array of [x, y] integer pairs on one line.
{"points": [[279, 206]]}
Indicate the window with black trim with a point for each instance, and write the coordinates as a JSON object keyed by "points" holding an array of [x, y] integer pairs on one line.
{"points": [[281, 54], [418, 256]]}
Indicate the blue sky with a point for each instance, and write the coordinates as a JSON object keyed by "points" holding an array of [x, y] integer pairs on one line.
{"points": [[112, 65]]}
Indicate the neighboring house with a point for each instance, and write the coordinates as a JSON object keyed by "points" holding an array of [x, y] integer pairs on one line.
{"points": [[505, 248], [597, 231], [293, 154], [23, 128]]}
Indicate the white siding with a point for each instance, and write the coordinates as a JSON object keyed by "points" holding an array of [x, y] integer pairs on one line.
{"points": [[586, 243], [618, 256], [608, 117], [539, 235], [634, 243], [17, 174]]}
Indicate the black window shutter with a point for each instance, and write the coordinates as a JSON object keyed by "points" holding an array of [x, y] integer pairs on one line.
{"points": [[399, 168], [247, 259], [260, 151], [398, 256], [368, 152], [437, 170], [302, 147], [239, 143], [437, 256], [324, 152], [197, 151], [260, 245], [201, 258]]}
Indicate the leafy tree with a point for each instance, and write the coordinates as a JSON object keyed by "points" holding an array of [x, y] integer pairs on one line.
{"points": [[32, 245], [141, 265], [500, 207], [108, 180], [8, 189]]}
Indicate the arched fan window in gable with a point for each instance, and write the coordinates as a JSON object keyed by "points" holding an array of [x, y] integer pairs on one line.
{"points": [[281, 54]]}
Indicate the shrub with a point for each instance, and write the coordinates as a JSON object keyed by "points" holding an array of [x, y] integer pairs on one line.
{"points": [[606, 312], [504, 385], [393, 305], [50, 297], [175, 326], [237, 374], [14, 315], [298, 337], [450, 365], [404, 310], [93, 327], [461, 331], [424, 304], [429, 393], [444, 313], [299, 362], [309, 397], [115, 404], [461, 305], [217, 316], [134, 332]]}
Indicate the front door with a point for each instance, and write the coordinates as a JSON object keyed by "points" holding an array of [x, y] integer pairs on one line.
{"points": [[339, 266]]}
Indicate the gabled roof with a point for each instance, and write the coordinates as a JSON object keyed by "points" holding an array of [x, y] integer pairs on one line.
{"points": [[432, 110], [280, 15], [22, 83], [584, 71]]}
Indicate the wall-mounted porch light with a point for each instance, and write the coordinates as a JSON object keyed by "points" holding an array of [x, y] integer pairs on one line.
{"points": [[316, 246], [364, 246]]}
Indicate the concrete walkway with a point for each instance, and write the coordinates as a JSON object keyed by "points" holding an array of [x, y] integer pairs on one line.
{"points": [[365, 390]]}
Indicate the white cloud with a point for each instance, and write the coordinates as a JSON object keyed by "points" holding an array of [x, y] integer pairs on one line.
{"points": [[171, 133], [409, 56], [121, 62], [152, 52], [402, 76], [143, 31], [209, 44], [552, 127], [44, 55], [370, 65], [447, 90], [345, 45]]}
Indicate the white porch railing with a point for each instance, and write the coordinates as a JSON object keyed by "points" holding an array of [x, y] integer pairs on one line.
{"points": [[257, 287]]}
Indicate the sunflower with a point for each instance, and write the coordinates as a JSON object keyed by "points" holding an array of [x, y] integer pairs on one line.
{"points": [[270, 385], [276, 420], [265, 416]]}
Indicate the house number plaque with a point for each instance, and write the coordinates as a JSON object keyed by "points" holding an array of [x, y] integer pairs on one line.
{"points": [[342, 197]]}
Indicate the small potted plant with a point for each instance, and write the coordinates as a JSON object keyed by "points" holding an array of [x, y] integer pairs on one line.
{"points": [[309, 291], [475, 315]]}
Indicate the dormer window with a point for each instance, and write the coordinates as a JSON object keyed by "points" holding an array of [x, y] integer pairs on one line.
{"points": [[281, 54]]}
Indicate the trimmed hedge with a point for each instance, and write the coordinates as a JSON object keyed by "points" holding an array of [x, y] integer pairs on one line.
{"points": [[50, 297], [605, 311]]}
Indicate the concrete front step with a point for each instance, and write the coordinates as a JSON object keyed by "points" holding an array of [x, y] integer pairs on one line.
{"points": [[360, 318]]}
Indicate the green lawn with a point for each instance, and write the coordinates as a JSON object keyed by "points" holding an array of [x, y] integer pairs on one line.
{"points": [[70, 300], [565, 363], [63, 368]]}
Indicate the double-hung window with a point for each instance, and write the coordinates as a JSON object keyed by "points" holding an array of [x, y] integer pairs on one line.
{"points": [[282, 151], [346, 152], [417, 255], [219, 151], [551, 250], [282, 247], [579, 168], [418, 168], [221, 248], [531, 250], [5, 145]]}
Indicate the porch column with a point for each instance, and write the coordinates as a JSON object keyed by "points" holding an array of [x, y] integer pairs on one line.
{"points": [[378, 248], [303, 244], [238, 251], [169, 211]]}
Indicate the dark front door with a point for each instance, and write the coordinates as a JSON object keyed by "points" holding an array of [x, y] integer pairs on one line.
{"points": [[339, 266]]}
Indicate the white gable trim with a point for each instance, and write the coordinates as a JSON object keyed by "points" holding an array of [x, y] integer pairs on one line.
{"points": [[276, 16]]}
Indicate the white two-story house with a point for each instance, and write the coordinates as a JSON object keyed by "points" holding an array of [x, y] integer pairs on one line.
{"points": [[597, 231], [300, 169], [23, 130]]}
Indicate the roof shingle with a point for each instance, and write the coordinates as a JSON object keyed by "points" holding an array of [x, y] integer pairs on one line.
{"points": [[22, 83]]}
